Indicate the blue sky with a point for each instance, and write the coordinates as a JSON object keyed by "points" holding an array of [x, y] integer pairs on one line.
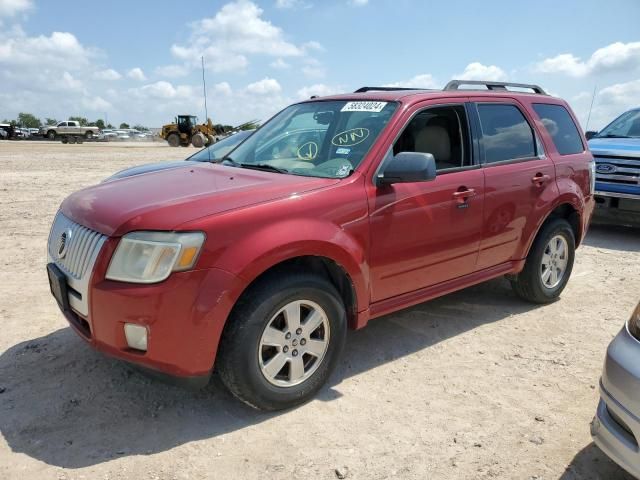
{"points": [[139, 61]]}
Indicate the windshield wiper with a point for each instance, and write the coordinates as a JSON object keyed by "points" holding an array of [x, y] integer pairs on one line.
{"points": [[253, 166], [264, 166], [613, 135]]}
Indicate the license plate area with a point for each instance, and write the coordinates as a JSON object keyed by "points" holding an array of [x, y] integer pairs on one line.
{"points": [[58, 286]]}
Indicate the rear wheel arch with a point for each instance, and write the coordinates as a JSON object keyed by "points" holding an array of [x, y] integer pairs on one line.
{"points": [[566, 210]]}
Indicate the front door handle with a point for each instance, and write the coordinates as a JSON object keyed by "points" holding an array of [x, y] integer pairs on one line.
{"points": [[462, 195], [539, 179]]}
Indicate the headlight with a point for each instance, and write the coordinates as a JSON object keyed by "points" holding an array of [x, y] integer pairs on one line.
{"points": [[634, 323], [150, 257]]}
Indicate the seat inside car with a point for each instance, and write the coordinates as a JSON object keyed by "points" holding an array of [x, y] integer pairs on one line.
{"points": [[434, 138], [434, 133]]}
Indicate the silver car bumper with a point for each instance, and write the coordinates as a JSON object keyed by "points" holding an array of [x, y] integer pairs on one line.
{"points": [[616, 426]]}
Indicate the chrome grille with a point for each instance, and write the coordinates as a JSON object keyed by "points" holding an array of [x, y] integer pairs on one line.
{"points": [[621, 170], [80, 253]]}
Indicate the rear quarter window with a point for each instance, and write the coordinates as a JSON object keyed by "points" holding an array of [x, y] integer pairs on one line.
{"points": [[561, 128]]}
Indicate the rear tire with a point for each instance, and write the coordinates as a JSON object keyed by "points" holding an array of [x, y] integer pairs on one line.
{"points": [[247, 346], [88, 134], [173, 140], [548, 265]]}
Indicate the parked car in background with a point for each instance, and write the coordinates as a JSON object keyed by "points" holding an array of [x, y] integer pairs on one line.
{"points": [[109, 134], [616, 149], [616, 426], [7, 131], [34, 132], [69, 128], [214, 153], [381, 200], [122, 135]]}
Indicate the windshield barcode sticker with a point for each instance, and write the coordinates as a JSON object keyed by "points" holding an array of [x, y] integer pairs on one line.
{"points": [[375, 107]]}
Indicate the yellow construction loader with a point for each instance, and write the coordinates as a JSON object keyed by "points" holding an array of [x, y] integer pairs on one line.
{"points": [[185, 131]]}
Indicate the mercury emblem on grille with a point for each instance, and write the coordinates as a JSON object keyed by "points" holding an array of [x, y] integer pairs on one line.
{"points": [[65, 237]]}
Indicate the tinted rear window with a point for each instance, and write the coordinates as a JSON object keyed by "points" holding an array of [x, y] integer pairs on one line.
{"points": [[560, 126], [506, 134]]}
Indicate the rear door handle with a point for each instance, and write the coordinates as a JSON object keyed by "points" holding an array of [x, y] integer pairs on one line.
{"points": [[539, 179]]}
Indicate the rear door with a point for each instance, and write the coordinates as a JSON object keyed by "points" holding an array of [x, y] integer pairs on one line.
{"points": [[519, 179]]}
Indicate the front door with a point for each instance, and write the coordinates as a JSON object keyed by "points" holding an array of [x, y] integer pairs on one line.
{"points": [[425, 233]]}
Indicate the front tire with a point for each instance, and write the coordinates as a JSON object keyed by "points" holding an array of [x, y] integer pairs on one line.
{"points": [[283, 340], [51, 135], [548, 265], [88, 135]]}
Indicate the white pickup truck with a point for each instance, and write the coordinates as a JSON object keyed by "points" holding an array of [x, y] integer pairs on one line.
{"points": [[69, 127]]}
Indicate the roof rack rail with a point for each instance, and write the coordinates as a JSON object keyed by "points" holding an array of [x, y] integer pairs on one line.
{"points": [[455, 85], [385, 89]]}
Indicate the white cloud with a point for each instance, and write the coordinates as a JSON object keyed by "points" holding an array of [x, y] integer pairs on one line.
{"points": [[609, 102], [96, 104], [236, 31], [318, 89], [136, 74], [172, 71], [280, 64], [265, 86], [358, 3], [313, 45], [478, 71], [615, 57], [9, 8], [108, 74], [287, 3], [222, 88], [424, 80]]}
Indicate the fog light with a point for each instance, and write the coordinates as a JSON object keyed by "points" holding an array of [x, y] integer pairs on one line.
{"points": [[136, 336]]}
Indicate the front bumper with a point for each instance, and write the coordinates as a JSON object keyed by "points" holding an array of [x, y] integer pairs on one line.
{"points": [[616, 426], [184, 316]]}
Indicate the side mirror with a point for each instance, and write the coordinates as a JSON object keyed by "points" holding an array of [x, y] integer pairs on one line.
{"points": [[590, 134], [408, 167]]}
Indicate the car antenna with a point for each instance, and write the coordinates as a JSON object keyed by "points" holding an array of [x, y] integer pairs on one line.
{"points": [[204, 93], [593, 97]]}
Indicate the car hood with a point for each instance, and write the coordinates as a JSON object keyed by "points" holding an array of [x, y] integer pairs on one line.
{"points": [[627, 147], [149, 167], [165, 199]]}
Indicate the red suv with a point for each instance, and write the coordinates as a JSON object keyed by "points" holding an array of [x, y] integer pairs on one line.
{"points": [[338, 210]]}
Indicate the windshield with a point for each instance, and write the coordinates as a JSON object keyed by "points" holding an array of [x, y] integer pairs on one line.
{"points": [[221, 148], [626, 125], [317, 139]]}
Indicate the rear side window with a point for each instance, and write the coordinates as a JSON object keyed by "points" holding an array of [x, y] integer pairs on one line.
{"points": [[506, 134], [560, 126]]}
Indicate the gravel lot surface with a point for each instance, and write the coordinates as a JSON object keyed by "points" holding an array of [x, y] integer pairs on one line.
{"points": [[473, 385]]}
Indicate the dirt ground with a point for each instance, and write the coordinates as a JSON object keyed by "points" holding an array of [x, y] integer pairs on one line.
{"points": [[473, 385]]}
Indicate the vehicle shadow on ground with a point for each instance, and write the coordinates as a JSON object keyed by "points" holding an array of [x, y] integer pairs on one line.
{"points": [[69, 406], [613, 237], [592, 464]]}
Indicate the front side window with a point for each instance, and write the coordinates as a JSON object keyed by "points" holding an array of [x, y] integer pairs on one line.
{"points": [[626, 125], [506, 134], [317, 139], [559, 124], [440, 131]]}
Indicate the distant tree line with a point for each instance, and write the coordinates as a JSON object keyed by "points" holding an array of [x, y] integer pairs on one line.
{"points": [[28, 120]]}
